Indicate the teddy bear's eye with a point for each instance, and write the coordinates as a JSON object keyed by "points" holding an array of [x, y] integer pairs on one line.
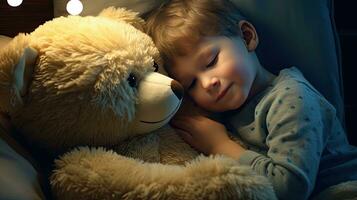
{"points": [[156, 67], [132, 80]]}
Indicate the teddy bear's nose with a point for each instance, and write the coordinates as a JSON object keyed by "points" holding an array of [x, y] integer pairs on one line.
{"points": [[177, 89]]}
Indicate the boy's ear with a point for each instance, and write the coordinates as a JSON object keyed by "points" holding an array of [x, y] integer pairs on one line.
{"points": [[249, 35], [125, 15], [17, 61]]}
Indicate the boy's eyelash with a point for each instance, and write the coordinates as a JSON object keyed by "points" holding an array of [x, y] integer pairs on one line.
{"points": [[214, 61]]}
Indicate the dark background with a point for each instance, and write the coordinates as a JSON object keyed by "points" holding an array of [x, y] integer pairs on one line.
{"points": [[24, 18], [346, 23], [34, 12]]}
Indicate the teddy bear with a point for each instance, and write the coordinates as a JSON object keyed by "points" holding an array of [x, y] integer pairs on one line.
{"points": [[85, 91]]}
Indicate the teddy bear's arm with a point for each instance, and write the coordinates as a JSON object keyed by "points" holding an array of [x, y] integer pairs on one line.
{"points": [[99, 174]]}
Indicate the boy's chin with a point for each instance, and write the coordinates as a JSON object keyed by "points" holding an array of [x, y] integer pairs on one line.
{"points": [[231, 104]]}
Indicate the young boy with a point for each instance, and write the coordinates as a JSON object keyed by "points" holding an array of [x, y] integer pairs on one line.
{"points": [[292, 133]]}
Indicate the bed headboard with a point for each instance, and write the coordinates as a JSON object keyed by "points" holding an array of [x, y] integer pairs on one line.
{"points": [[24, 18]]}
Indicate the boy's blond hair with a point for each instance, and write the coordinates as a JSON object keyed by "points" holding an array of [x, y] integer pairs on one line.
{"points": [[178, 25]]}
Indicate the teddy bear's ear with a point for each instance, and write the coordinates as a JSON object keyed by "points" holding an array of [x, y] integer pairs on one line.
{"points": [[122, 14], [17, 61]]}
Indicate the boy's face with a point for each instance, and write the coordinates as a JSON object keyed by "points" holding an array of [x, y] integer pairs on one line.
{"points": [[218, 73]]}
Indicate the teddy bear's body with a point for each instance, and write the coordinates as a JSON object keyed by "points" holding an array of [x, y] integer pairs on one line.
{"points": [[89, 81]]}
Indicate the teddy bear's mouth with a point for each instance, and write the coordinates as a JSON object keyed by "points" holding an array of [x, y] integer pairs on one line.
{"points": [[167, 117]]}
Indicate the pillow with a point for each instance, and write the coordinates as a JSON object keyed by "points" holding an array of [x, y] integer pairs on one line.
{"points": [[297, 33], [18, 177]]}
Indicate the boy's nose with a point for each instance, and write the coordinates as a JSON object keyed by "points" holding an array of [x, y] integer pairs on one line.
{"points": [[210, 83]]}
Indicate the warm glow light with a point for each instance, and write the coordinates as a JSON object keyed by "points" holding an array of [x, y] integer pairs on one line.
{"points": [[14, 3], [74, 7]]}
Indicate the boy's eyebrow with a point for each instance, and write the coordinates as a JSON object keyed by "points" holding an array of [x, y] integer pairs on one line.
{"points": [[205, 52]]}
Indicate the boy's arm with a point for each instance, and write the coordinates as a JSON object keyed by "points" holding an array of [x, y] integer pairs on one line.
{"points": [[206, 135], [229, 148], [295, 141]]}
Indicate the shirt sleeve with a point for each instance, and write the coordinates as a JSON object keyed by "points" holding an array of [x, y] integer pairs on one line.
{"points": [[294, 123]]}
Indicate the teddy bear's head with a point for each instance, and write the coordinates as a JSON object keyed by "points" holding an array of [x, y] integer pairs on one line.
{"points": [[86, 80]]}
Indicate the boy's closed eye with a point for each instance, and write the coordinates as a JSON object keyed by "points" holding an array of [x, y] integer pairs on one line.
{"points": [[212, 63], [213, 60]]}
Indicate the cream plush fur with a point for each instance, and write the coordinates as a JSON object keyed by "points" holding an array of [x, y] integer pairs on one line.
{"points": [[86, 86]]}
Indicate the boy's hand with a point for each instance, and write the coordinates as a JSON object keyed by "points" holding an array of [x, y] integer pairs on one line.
{"points": [[206, 135]]}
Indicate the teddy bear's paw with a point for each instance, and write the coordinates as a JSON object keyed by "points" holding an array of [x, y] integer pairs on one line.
{"points": [[219, 177], [92, 173], [97, 173]]}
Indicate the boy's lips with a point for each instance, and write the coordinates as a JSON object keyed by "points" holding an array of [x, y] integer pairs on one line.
{"points": [[223, 92]]}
